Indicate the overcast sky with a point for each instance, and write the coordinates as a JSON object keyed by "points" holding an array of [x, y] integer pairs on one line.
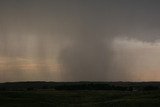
{"points": [[79, 40]]}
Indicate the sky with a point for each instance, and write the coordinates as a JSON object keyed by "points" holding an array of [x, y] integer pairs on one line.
{"points": [[79, 40]]}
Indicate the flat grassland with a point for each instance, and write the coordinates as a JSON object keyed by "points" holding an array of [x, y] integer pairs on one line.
{"points": [[99, 98]]}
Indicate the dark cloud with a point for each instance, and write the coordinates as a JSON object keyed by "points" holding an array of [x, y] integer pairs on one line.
{"points": [[78, 33]]}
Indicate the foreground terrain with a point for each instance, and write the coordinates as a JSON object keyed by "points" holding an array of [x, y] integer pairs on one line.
{"points": [[79, 99], [80, 94]]}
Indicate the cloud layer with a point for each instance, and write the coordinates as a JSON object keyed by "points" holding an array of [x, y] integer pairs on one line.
{"points": [[80, 37]]}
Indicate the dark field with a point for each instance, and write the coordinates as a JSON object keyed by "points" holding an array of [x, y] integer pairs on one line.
{"points": [[79, 98]]}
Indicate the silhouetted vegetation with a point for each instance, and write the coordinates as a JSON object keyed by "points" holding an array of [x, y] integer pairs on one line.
{"points": [[121, 86], [80, 94]]}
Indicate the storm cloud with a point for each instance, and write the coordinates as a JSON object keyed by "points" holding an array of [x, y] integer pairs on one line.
{"points": [[76, 40]]}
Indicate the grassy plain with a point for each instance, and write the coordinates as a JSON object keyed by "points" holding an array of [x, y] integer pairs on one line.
{"points": [[52, 98]]}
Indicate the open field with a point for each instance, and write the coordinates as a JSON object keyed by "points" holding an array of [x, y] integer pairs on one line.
{"points": [[79, 99], [80, 94]]}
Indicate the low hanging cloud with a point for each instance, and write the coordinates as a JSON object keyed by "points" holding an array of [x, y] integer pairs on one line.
{"points": [[79, 37], [91, 55]]}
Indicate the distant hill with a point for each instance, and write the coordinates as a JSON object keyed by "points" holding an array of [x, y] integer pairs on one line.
{"points": [[41, 85]]}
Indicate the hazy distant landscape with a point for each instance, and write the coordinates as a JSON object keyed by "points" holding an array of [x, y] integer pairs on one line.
{"points": [[80, 94]]}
